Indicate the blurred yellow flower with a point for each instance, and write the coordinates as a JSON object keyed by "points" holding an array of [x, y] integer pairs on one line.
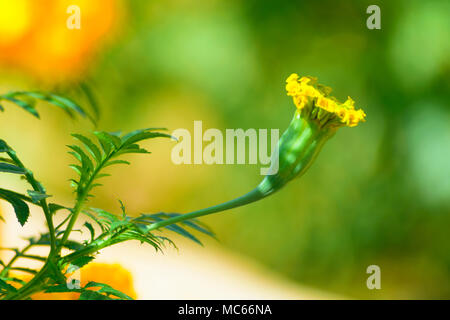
{"points": [[15, 20], [34, 35], [112, 274]]}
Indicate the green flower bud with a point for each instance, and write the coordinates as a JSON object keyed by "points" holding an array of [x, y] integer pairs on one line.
{"points": [[297, 149]]}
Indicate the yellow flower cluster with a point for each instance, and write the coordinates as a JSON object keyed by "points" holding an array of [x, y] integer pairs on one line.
{"points": [[303, 91]]}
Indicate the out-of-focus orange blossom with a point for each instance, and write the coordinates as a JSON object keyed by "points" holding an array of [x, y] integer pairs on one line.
{"points": [[111, 274], [34, 35]]}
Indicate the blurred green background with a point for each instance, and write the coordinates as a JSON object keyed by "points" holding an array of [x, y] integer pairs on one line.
{"points": [[378, 193]]}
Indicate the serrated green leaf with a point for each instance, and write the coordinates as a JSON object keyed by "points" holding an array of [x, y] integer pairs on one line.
{"points": [[37, 196], [93, 217], [143, 135], [114, 139], [12, 279], [138, 131], [194, 224], [91, 230], [114, 162], [76, 156], [183, 232], [106, 144], [198, 227], [16, 195], [90, 146], [10, 168], [147, 238], [79, 263], [20, 207], [102, 175], [106, 289], [26, 270], [93, 295], [26, 100], [4, 286], [24, 105], [122, 207], [83, 157], [4, 146], [130, 150], [65, 104], [7, 160], [76, 168], [68, 103], [150, 218], [53, 207], [85, 88]]}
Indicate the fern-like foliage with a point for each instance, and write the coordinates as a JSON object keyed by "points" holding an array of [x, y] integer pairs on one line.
{"points": [[180, 228], [10, 162], [27, 101], [119, 228], [13, 165], [92, 156]]}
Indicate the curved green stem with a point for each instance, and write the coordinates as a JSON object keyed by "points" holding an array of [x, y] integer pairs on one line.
{"points": [[252, 196], [296, 151]]}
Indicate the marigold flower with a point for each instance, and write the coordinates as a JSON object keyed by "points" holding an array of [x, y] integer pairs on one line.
{"points": [[317, 118], [308, 97]]}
